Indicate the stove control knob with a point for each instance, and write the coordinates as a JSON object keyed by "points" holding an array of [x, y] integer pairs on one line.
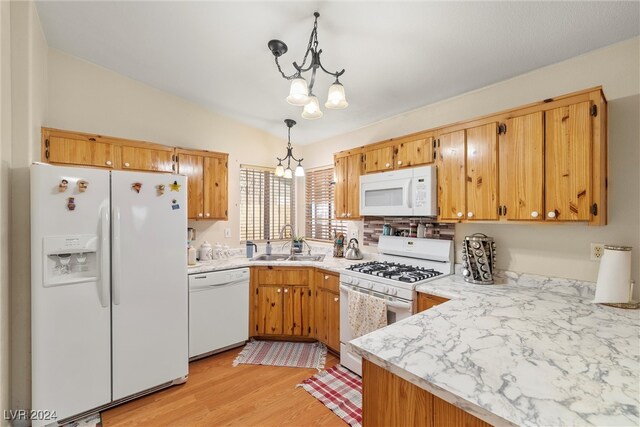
{"points": [[394, 292], [355, 281], [384, 290], [368, 285], [348, 279]]}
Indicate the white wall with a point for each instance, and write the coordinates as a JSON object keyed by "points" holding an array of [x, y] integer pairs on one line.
{"points": [[86, 97], [28, 112], [5, 164], [560, 250]]}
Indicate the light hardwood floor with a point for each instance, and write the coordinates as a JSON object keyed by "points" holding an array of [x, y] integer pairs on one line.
{"points": [[218, 394]]}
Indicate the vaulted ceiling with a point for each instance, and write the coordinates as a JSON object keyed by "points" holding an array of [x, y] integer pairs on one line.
{"points": [[398, 55]]}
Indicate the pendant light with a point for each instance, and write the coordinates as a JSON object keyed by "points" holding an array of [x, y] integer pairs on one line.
{"points": [[280, 169]]}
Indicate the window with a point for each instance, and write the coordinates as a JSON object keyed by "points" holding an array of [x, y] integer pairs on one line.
{"points": [[266, 204], [320, 222]]}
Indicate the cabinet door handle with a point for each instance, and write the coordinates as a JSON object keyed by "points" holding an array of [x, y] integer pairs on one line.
{"points": [[470, 214], [286, 290], [534, 214], [459, 214], [207, 214], [326, 277], [126, 165], [199, 215], [399, 162], [344, 215], [278, 290], [349, 215], [387, 165], [108, 163], [552, 214], [336, 299]]}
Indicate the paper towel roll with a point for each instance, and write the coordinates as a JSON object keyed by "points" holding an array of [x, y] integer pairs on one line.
{"points": [[614, 276]]}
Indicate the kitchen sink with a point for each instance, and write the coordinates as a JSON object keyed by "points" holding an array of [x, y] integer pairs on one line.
{"points": [[272, 257], [287, 257], [306, 257]]}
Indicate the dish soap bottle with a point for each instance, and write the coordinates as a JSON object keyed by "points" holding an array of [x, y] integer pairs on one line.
{"points": [[268, 248]]}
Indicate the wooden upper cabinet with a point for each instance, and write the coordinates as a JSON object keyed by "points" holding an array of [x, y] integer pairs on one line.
{"points": [[482, 172], [347, 170], [378, 159], [414, 153], [78, 150], [451, 176], [216, 187], [156, 159], [192, 166], [207, 174], [568, 154], [522, 168]]}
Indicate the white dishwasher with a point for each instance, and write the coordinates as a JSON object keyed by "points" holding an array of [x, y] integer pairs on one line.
{"points": [[218, 311]]}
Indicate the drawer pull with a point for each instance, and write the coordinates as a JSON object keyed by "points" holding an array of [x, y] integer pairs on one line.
{"points": [[108, 163], [459, 214], [126, 165], [534, 214]]}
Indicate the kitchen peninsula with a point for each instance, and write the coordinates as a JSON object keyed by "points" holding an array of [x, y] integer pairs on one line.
{"points": [[531, 351]]}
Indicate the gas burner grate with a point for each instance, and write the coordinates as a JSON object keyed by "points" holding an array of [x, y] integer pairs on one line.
{"points": [[395, 271]]}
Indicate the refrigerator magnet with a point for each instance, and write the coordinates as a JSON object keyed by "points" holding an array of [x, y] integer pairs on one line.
{"points": [[71, 203], [136, 186], [174, 204], [160, 189], [82, 185], [175, 186], [62, 187]]}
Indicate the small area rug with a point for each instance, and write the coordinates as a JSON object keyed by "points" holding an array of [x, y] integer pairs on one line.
{"points": [[340, 390], [276, 353]]}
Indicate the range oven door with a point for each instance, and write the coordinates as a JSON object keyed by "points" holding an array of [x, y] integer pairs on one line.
{"points": [[396, 310]]}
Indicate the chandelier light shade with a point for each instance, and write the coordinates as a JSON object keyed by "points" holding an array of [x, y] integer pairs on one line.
{"points": [[301, 92], [312, 109], [280, 169]]}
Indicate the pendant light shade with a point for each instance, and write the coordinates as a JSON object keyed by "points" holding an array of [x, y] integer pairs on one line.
{"points": [[312, 109], [279, 170], [336, 99], [298, 92], [288, 173], [299, 170]]}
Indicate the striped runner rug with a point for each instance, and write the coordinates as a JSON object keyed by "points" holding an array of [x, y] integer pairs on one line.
{"points": [[340, 390], [277, 353]]}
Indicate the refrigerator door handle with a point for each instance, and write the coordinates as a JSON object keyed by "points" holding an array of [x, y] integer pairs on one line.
{"points": [[104, 252], [115, 280]]}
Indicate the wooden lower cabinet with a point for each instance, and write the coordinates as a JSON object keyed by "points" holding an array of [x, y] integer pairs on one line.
{"points": [[328, 309], [281, 302], [426, 301], [388, 400]]}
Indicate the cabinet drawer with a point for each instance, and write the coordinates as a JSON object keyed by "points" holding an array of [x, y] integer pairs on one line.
{"points": [[283, 276], [328, 280]]}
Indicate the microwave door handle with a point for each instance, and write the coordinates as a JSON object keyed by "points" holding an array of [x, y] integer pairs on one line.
{"points": [[407, 193]]}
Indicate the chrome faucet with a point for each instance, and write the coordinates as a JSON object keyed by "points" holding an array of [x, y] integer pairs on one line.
{"points": [[293, 236]]}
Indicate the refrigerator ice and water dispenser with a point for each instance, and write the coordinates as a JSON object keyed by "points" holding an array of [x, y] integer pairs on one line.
{"points": [[70, 259]]}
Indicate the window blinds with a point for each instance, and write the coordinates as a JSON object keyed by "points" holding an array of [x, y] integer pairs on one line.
{"points": [[320, 222], [266, 204]]}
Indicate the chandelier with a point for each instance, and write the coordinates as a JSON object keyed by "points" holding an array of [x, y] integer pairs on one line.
{"points": [[280, 170], [301, 93]]}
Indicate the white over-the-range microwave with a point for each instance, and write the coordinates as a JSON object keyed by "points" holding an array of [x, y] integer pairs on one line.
{"points": [[405, 192]]}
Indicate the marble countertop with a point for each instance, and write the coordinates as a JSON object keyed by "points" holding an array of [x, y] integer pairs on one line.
{"points": [[529, 351], [237, 261]]}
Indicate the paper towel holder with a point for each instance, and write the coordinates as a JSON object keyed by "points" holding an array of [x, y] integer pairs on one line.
{"points": [[613, 276]]}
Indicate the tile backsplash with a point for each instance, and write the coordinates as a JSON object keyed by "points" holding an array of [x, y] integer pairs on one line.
{"points": [[435, 230]]}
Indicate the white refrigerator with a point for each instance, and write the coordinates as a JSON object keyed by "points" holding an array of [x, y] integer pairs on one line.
{"points": [[109, 295]]}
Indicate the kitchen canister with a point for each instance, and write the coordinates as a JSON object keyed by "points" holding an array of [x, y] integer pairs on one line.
{"points": [[206, 251], [614, 286], [478, 259]]}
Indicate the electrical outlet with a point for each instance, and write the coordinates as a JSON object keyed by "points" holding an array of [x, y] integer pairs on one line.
{"points": [[597, 250], [227, 233], [354, 234]]}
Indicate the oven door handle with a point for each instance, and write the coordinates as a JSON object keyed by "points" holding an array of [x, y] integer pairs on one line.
{"points": [[394, 304]]}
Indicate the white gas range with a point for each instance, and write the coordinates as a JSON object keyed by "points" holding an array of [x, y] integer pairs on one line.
{"points": [[403, 264]]}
